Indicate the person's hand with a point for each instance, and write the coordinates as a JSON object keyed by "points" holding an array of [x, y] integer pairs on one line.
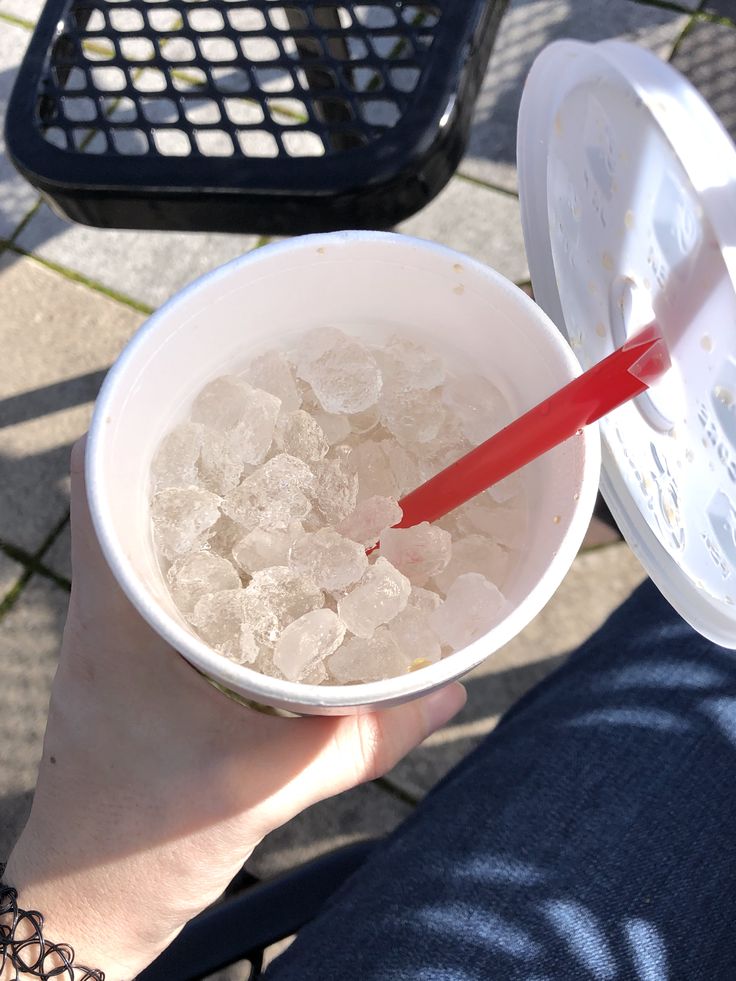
{"points": [[154, 787]]}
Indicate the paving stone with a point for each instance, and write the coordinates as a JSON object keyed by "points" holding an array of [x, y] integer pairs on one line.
{"points": [[29, 10], [364, 812], [10, 573], [58, 557], [29, 640], [57, 338], [482, 223], [17, 197], [527, 27], [146, 266], [599, 533], [597, 583], [707, 56]]}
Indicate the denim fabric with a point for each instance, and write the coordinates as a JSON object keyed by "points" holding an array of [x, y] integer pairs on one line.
{"points": [[590, 836]]}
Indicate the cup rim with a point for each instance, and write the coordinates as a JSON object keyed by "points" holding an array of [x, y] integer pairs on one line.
{"points": [[278, 692]]}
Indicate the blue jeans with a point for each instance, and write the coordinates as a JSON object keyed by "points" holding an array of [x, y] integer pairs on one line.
{"points": [[590, 836]]}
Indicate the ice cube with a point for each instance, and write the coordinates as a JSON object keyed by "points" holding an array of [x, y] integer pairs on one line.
{"points": [[261, 549], [221, 403], [298, 434], [337, 424], [451, 524], [307, 641], [474, 553], [221, 466], [274, 598], [414, 416], [310, 402], [316, 674], [472, 607], [175, 462], [335, 427], [403, 465], [273, 373], [247, 650], [367, 659], [335, 489], [406, 365], [361, 423], [329, 560], [375, 478], [369, 519], [223, 535], [415, 637], [448, 446], [272, 496], [506, 490], [218, 615], [181, 518], [191, 576], [219, 620], [505, 524], [254, 433], [228, 404], [424, 600], [378, 598], [420, 552], [478, 404], [345, 377], [315, 344]]}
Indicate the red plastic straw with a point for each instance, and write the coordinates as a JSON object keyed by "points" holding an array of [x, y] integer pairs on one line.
{"points": [[621, 376]]}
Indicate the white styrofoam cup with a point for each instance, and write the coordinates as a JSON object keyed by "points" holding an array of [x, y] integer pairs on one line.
{"points": [[371, 284]]}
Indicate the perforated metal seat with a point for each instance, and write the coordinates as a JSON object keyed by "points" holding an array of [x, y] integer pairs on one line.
{"points": [[247, 115]]}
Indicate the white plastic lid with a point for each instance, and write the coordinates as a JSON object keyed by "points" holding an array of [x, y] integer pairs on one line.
{"points": [[628, 199]]}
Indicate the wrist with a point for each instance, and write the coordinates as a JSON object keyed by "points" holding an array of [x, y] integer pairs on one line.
{"points": [[62, 917], [27, 950], [120, 914]]}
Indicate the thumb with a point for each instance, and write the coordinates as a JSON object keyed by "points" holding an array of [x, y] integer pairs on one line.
{"points": [[364, 747]]}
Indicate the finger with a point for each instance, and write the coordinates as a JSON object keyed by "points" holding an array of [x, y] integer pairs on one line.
{"points": [[363, 747], [76, 463], [377, 741]]}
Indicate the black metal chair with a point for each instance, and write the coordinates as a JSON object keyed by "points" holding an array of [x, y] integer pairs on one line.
{"points": [[262, 116], [253, 916]]}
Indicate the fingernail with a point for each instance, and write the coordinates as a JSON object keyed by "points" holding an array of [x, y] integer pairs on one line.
{"points": [[440, 706]]}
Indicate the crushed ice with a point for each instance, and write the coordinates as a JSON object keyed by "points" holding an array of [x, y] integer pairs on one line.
{"points": [[265, 499]]}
